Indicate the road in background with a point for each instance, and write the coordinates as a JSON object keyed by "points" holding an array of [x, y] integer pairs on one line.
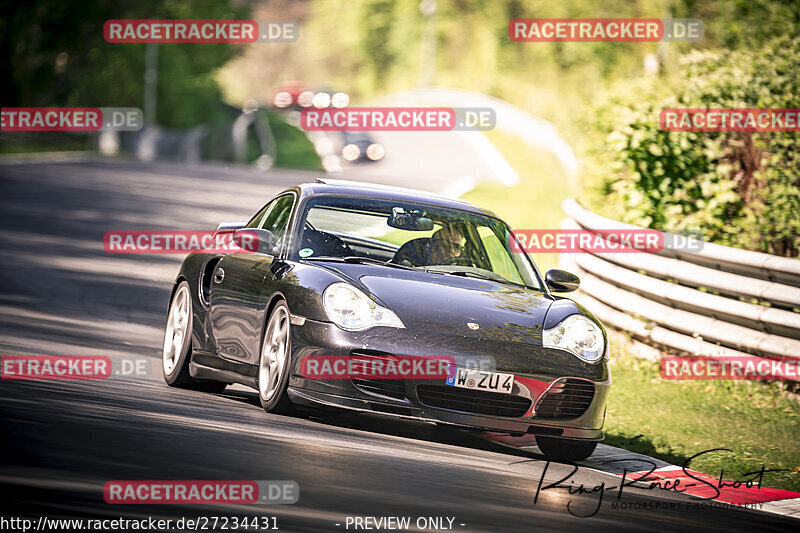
{"points": [[439, 161]]}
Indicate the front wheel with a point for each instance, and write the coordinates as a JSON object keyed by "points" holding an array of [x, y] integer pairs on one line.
{"points": [[178, 344], [273, 364], [566, 449]]}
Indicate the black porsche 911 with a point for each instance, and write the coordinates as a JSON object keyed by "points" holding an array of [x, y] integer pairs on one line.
{"points": [[353, 270]]}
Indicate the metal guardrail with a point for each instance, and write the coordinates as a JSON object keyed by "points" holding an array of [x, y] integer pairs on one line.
{"points": [[717, 301]]}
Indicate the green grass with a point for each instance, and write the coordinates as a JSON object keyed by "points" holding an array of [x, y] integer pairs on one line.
{"points": [[35, 142], [294, 150], [29, 149], [674, 420], [535, 203]]}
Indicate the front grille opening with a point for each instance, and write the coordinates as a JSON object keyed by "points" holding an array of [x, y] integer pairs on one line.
{"points": [[567, 398], [473, 401], [393, 388]]}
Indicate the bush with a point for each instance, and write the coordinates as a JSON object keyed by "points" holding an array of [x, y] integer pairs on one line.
{"points": [[738, 189], [294, 150]]}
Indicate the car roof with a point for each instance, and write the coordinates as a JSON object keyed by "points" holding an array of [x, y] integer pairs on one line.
{"points": [[324, 186]]}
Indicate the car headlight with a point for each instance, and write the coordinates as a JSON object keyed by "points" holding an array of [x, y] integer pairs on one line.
{"points": [[305, 98], [321, 100], [340, 100], [351, 152], [578, 335], [351, 309], [375, 152], [282, 99]]}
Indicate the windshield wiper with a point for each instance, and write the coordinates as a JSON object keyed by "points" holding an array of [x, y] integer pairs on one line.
{"points": [[470, 274], [357, 259]]}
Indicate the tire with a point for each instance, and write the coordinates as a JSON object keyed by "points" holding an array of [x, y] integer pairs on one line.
{"points": [[274, 361], [566, 449], [177, 347]]}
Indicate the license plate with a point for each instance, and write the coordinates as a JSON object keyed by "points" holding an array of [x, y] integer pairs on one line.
{"points": [[481, 380]]}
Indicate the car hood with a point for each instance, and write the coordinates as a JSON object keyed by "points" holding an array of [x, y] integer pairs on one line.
{"points": [[453, 305]]}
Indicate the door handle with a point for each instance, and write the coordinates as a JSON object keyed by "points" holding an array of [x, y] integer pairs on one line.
{"points": [[219, 275]]}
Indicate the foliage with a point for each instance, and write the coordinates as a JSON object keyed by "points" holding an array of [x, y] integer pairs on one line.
{"points": [[373, 47], [740, 189], [294, 150], [57, 56]]}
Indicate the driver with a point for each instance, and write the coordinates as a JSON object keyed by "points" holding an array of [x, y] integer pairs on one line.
{"points": [[447, 243]]}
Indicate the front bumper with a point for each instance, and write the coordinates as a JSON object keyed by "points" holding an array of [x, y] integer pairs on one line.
{"points": [[535, 372]]}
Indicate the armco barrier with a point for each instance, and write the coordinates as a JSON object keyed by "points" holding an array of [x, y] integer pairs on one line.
{"points": [[715, 301]]}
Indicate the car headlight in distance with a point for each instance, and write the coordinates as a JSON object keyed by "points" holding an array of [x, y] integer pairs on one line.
{"points": [[578, 335], [305, 98], [282, 99], [321, 100], [375, 152], [351, 152], [351, 309], [340, 100]]}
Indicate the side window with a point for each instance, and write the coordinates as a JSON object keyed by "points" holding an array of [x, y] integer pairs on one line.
{"points": [[278, 213], [256, 220], [499, 255]]}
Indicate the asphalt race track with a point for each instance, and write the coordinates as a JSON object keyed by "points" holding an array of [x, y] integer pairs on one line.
{"points": [[62, 440]]}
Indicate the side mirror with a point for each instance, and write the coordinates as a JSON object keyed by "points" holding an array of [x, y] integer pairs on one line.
{"points": [[257, 240], [229, 227], [561, 280]]}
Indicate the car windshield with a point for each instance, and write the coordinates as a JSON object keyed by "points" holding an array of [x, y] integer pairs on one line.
{"points": [[434, 239]]}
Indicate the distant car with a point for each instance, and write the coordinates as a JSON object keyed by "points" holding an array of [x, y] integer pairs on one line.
{"points": [[353, 270], [325, 97], [359, 146], [297, 96], [293, 95]]}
